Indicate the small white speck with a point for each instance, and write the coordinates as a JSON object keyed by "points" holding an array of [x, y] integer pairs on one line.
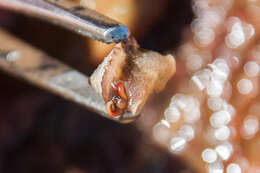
{"points": [[172, 114], [220, 69], [187, 132], [179, 100], [251, 69], [13, 56], [213, 16], [161, 131], [192, 116], [222, 133], [237, 36], [209, 155], [177, 144], [250, 127], [165, 123], [220, 118], [199, 7], [235, 59], [223, 151], [249, 30], [197, 81], [215, 103], [215, 88], [197, 24], [229, 108], [194, 62], [201, 78], [244, 164], [245, 86], [204, 36], [234, 168], [216, 167]]}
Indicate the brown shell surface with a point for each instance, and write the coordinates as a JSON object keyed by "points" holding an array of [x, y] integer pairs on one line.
{"points": [[140, 71]]}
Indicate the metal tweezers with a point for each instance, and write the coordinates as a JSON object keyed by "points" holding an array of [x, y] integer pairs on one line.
{"points": [[22, 60]]}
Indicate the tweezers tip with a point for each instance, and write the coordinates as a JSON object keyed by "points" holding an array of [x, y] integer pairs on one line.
{"points": [[117, 34]]}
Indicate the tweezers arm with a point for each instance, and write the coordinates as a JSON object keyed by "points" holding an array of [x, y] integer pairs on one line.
{"points": [[23, 61], [70, 15]]}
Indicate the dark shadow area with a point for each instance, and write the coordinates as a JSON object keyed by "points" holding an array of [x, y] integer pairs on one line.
{"points": [[44, 133], [166, 34]]}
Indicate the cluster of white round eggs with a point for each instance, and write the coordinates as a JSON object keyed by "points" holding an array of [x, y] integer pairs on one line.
{"points": [[205, 114]]}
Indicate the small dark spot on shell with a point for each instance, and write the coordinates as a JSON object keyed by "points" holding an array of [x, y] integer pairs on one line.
{"points": [[76, 9]]}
